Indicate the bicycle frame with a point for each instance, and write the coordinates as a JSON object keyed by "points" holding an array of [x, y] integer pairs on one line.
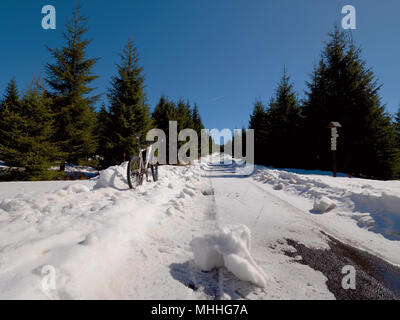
{"points": [[147, 158]]}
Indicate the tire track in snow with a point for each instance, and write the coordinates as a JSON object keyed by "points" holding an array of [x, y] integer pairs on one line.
{"points": [[229, 285], [212, 215]]}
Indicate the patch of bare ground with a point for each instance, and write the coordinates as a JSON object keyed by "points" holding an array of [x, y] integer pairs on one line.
{"points": [[376, 279]]}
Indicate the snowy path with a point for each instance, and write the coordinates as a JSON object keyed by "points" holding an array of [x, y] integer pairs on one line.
{"points": [[108, 242], [239, 200], [274, 213]]}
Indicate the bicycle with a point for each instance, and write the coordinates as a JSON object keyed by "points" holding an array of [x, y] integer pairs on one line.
{"points": [[138, 166]]}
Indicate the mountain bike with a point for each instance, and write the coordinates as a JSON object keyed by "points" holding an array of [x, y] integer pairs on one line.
{"points": [[138, 166]]}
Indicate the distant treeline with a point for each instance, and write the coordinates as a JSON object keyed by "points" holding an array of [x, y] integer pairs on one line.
{"points": [[53, 122], [293, 133]]}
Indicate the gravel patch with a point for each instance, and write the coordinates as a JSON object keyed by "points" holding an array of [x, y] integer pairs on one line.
{"points": [[376, 279]]}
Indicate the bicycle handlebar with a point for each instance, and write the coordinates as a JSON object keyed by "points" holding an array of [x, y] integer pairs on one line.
{"points": [[147, 143]]}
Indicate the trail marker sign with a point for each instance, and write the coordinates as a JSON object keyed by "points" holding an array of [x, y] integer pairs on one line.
{"points": [[334, 135]]}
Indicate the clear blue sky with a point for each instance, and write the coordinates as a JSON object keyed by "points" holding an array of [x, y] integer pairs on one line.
{"points": [[221, 54]]}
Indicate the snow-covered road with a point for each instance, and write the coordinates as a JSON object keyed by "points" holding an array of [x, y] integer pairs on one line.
{"points": [[241, 200], [163, 240], [278, 205]]}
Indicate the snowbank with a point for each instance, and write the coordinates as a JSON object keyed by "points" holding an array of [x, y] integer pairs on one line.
{"points": [[113, 177], [228, 248], [97, 234], [374, 205], [77, 188], [324, 204]]}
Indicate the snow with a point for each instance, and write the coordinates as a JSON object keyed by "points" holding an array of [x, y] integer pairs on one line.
{"points": [[113, 177], [76, 188], [324, 204], [75, 170], [70, 169], [94, 233], [206, 253], [230, 248], [4, 167], [374, 205], [205, 231]]}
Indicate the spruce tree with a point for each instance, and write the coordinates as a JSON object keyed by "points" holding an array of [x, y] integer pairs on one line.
{"points": [[397, 128], [239, 142], [163, 113], [343, 89], [197, 126], [69, 78], [104, 132], [196, 120], [181, 112], [11, 96], [258, 124], [244, 145], [283, 121], [211, 144], [9, 103], [28, 139], [183, 115], [129, 114]]}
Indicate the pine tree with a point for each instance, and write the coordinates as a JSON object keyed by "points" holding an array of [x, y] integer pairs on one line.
{"points": [[211, 144], [104, 132], [283, 121], [181, 112], [183, 115], [9, 103], [258, 124], [197, 126], [69, 78], [397, 128], [343, 89], [196, 120], [244, 145], [129, 114], [28, 140], [163, 113], [239, 142], [11, 96]]}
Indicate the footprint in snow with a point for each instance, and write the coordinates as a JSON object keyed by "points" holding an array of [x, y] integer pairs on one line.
{"points": [[279, 186], [181, 196], [189, 192], [90, 240], [170, 211], [175, 204]]}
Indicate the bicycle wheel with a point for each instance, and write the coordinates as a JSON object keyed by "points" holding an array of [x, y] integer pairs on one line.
{"points": [[135, 172], [154, 172]]}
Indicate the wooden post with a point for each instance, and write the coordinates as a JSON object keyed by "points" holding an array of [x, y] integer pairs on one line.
{"points": [[334, 163]]}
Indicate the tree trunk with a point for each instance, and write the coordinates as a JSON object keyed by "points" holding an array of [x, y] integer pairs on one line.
{"points": [[62, 166]]}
